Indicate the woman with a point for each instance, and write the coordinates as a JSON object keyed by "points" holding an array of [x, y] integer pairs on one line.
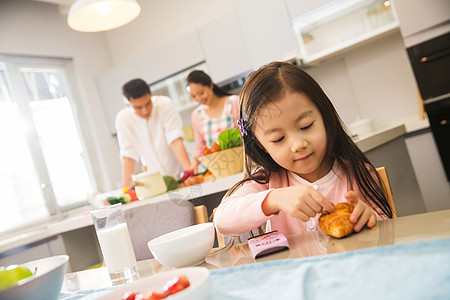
{"points": [[218, 110]]}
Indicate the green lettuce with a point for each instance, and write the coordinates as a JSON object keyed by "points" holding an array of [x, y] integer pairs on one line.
{"points": [[230, 138]]}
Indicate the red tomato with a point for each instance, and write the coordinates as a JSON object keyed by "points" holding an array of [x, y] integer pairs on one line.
{"points": [[129, 296], [132, 193], [175, 285], [187, 174]]}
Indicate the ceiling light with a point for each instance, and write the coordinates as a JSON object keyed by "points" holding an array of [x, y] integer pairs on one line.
{"points": [[101, 15]]}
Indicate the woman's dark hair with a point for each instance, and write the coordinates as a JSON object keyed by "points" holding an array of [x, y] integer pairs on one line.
{"points": [[200, 77], [267, 85], [135, 88]]}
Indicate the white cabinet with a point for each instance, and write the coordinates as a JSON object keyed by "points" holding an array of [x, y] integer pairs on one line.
{"points": [[342, 25], [256, 33], [298, 8], [224, 47], [174, 87], [418, 15], [170, 58], [267, 31], [429, 171]]}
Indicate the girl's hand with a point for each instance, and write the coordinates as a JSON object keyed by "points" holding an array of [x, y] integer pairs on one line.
{"points": [[362, 214], [301, 202]]}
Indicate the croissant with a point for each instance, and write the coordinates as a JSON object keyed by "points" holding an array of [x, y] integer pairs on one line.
{"points": [[337, 224]]}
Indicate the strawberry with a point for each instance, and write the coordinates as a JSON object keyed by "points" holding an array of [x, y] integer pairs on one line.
{"points": [[175, 285]]}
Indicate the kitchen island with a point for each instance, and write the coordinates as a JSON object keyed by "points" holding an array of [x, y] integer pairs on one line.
{"points": [[384, 147]]}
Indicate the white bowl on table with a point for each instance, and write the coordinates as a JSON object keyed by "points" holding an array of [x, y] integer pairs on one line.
{"points": [[198, 289], [183, 247], [44, 285]]}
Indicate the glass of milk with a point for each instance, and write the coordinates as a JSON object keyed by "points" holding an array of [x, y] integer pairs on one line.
{"points": [[115, 243]]}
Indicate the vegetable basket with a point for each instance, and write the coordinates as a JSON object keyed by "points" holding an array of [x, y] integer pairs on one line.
{"points": [[225, 162]]}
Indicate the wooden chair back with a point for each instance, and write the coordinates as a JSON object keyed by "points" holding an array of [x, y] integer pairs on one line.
{"points": [[201, 214], [387, 186]]}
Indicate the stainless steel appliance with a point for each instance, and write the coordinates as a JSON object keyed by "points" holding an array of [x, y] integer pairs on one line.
{"points": [[430, 61]]}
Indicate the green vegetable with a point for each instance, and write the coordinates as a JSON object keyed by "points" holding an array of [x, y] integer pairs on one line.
{"points": [[121, 199], [171, 182], [126, 198], [230, 138]]}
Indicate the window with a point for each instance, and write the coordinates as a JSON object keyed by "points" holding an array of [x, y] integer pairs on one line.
{"points": [[44, 168]]}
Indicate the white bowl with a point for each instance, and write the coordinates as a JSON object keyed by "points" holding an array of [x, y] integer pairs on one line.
{"points": [[45, 284], [183, 247], [197, 290]]}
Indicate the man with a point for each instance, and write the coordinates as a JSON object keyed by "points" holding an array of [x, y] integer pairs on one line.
{"points": [[150, 129]]}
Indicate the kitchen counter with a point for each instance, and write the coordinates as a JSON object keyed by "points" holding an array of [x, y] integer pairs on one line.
{"points": [[84, 219], [379, 137], [365, 143]]}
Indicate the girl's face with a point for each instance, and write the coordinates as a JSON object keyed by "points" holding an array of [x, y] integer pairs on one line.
{"points": [[201, 93], [292, 131]]}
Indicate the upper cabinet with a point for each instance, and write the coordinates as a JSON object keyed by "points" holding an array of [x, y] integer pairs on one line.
{"points": [[342, 25], [174, 87], [267, 31], [167, 59], [419, 15], [299, 8], [256, 33], [224, 47]]}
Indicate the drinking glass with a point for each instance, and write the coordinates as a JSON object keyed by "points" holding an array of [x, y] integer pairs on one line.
{"points": [[115, 243]]}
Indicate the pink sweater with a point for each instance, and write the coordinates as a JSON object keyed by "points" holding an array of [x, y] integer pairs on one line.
{"points": [[203, 126], [242, 212]]}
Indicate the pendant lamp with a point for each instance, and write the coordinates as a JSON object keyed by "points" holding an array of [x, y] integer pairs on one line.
{"points": [[101, 15]]}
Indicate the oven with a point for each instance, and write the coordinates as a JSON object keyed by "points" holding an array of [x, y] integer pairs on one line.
{"points": [[430, 61]]}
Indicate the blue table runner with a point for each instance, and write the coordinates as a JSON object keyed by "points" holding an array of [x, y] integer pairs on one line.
{"points": [[419, 270]]}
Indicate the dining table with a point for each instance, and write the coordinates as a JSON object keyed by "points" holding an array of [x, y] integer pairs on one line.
{"points": [[401, 258]]}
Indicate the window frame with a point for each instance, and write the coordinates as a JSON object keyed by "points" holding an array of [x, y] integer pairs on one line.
{"points": [[17, 89]]}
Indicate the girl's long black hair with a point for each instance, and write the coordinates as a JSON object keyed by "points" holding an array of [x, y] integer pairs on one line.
{"points": [[200, 77], [270, 83]]}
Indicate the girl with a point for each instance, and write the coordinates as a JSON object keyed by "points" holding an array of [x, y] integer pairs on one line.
{"points": [[217, 112], [299, 160]]}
